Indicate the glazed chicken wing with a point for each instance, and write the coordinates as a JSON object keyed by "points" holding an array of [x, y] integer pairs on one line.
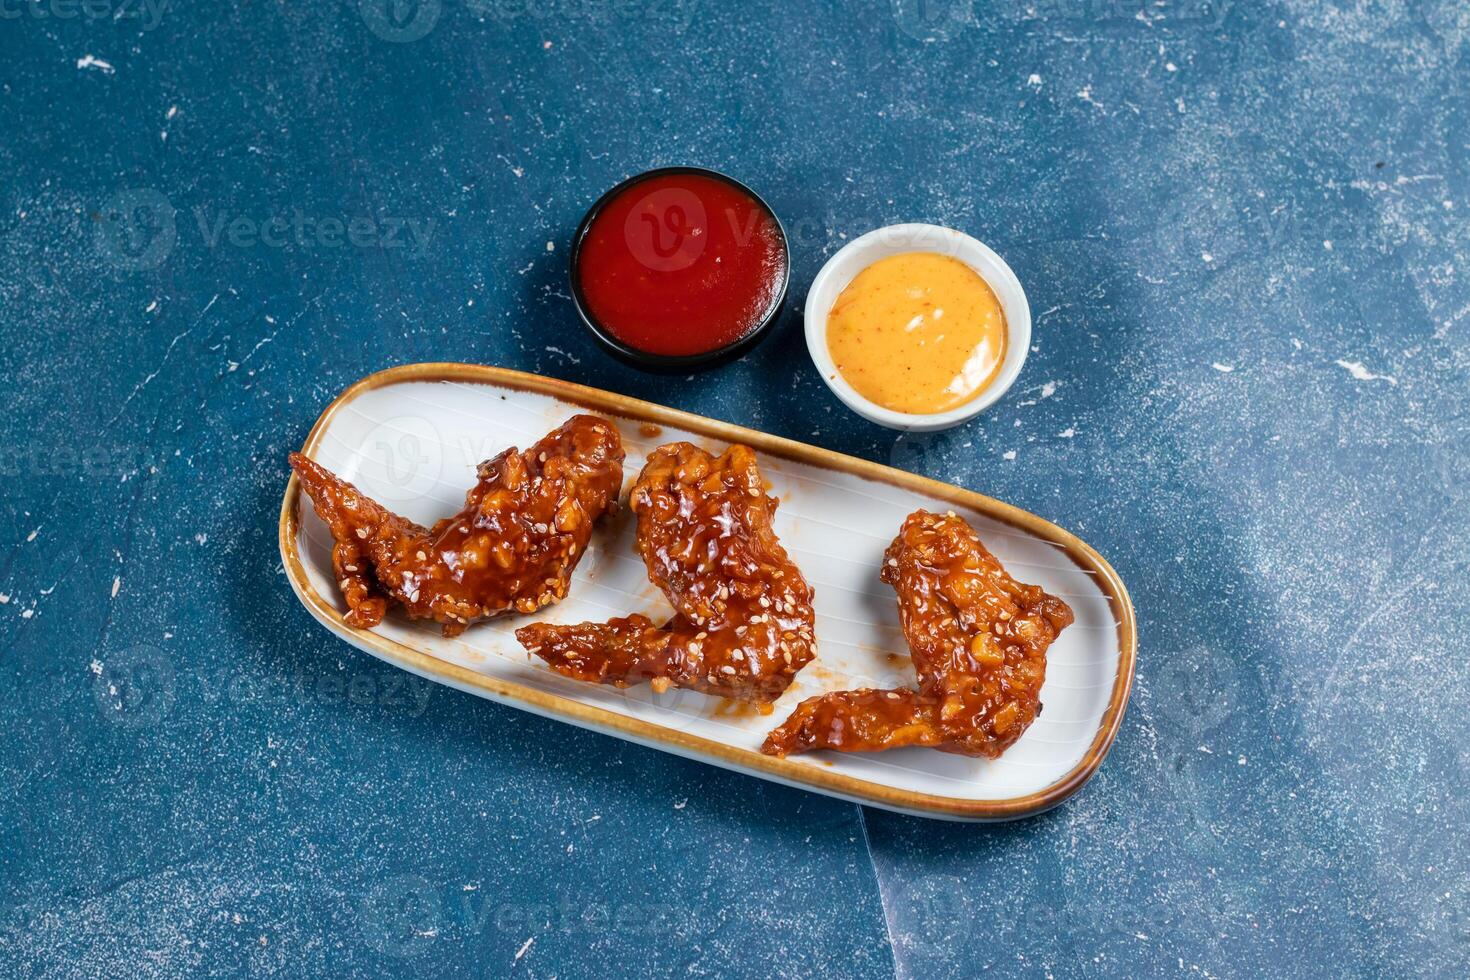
{"points": [[523, 529], [743, 613], [978, 639]]}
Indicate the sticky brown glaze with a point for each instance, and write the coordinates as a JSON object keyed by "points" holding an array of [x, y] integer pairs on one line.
{"points": [[743, 612], [978, 639], [524, 527]]}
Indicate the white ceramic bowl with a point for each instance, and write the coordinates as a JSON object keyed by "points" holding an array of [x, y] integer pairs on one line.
{"points": [[862, 252]]}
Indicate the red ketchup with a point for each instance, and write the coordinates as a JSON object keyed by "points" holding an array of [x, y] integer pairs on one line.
{"points": [[681, 264]]}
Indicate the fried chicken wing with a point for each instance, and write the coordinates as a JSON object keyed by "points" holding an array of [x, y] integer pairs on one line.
{"points": [[743, 621], [524, 527], [978, 640]]}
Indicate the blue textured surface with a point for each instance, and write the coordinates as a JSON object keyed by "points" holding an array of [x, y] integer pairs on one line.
{"points": [[1243, 229]]}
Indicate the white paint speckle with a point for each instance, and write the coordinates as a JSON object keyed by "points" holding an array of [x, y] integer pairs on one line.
{"points": [[1034, 81], [1223, 368], [1067, 433], [1358, 371], [1008, 454], [96, 666], [95, 63]]}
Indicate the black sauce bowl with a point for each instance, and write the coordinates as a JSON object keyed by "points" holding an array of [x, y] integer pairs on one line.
{"points": [[664, 363]]}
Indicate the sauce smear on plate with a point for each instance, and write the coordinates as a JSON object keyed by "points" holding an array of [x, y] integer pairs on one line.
{"points": [[681, 264], [918, 332]]}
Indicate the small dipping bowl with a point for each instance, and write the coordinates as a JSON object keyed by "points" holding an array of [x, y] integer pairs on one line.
{"points": [[862, 252], [679, 268]]}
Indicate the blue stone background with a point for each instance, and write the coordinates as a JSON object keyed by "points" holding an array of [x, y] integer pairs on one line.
{"points": [[1245, 232]]}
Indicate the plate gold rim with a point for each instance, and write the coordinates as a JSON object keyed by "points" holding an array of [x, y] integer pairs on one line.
{"points": [[782, 770]]}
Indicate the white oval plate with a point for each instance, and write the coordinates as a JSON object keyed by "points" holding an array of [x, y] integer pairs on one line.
{"points": [[411, 437]]}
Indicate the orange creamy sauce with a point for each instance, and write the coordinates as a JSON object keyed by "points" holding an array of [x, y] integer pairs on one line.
{"points": [[918, 333]]}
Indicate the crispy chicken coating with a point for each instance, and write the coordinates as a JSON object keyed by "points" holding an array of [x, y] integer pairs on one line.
{"points": [[524, 527], [743, 621], [978, 640]]}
